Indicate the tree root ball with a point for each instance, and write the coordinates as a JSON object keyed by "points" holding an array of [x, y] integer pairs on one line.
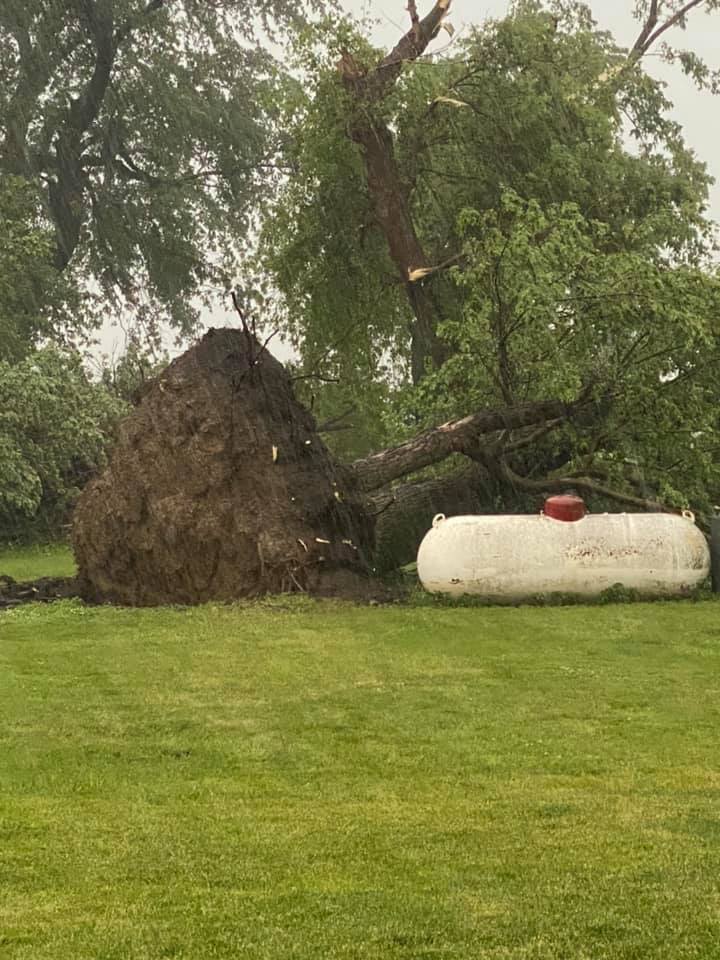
{"points": [[220, 488]]}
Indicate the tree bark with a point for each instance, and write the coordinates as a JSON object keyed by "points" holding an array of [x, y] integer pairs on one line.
{"points": [[389, 194], [391, 203], [403, 514], [463, 436]]}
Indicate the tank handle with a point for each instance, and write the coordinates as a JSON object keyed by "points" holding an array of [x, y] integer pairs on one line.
{"points": [[438, 519], [689, 515]]}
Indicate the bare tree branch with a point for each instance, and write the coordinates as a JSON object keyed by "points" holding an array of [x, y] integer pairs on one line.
{"points": [[651, 32], [582, 485]]}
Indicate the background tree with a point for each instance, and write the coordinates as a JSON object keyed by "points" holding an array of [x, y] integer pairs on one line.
{"points": [[35, 301], [145, 123], [55, 427], [133, 142]]}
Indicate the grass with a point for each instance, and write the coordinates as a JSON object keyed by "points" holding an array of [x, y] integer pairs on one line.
{"points": [[30, 563], [299, 780]]}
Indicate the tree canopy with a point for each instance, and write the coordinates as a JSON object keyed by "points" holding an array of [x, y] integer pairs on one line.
{"points": [[55, 427], [144, 126], [134, 139], [515, 221]]}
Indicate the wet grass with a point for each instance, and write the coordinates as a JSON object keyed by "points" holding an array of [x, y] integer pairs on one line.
{"points": [[30, 563], [301, 780]]}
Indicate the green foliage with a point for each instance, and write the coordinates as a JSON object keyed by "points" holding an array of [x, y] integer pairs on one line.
{"points": [[32, 294], [129, 376], [148, 124], [551, 304], [576, 263], [55, 426], [340, 303]]}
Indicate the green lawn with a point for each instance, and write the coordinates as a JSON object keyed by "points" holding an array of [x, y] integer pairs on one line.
{"points": [[29, 563], [325, 781]]}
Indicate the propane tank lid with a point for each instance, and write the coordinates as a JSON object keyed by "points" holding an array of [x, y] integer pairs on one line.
{"points": [[565, 506]]}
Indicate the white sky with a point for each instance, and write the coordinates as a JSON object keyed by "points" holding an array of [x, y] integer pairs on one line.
{"points": [[699, 113]]}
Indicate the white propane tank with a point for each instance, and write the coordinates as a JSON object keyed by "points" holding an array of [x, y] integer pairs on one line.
{"points": [[520, 557]]}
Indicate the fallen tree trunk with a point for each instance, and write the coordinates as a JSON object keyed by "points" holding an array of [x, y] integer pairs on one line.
{"points": [[403, 514], [457, 436]]}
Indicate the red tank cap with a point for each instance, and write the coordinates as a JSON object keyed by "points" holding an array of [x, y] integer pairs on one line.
{"points": [[566, 507]]}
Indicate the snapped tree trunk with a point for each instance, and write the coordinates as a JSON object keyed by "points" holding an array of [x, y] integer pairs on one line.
{"points": [[466, 436], [390, 195]]}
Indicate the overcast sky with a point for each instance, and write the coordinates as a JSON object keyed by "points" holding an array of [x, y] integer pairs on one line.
{"points": [[699, 113]]}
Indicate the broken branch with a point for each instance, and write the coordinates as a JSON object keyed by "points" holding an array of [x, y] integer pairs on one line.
{"points": [[582, 485]]}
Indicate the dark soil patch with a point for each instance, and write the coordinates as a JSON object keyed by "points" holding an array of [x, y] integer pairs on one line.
{"points": [[14, 593]]}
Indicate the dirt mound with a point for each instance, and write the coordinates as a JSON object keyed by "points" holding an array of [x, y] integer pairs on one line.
{"points": [[220, 488]]}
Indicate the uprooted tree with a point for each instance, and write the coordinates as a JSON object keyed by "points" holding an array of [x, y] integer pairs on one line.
{"points": [[220, 486], [474, 219], [481, 220]]}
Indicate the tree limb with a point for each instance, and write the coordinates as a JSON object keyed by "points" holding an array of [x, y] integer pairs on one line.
{"points": [[651, 32], [415, 19], [37, 62], [531, 438], [389, 193], [337, 423], [130, 24], [581, 485], [457, 436], [373, 86], [414, 43], [66, 189], [648, 27]]}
